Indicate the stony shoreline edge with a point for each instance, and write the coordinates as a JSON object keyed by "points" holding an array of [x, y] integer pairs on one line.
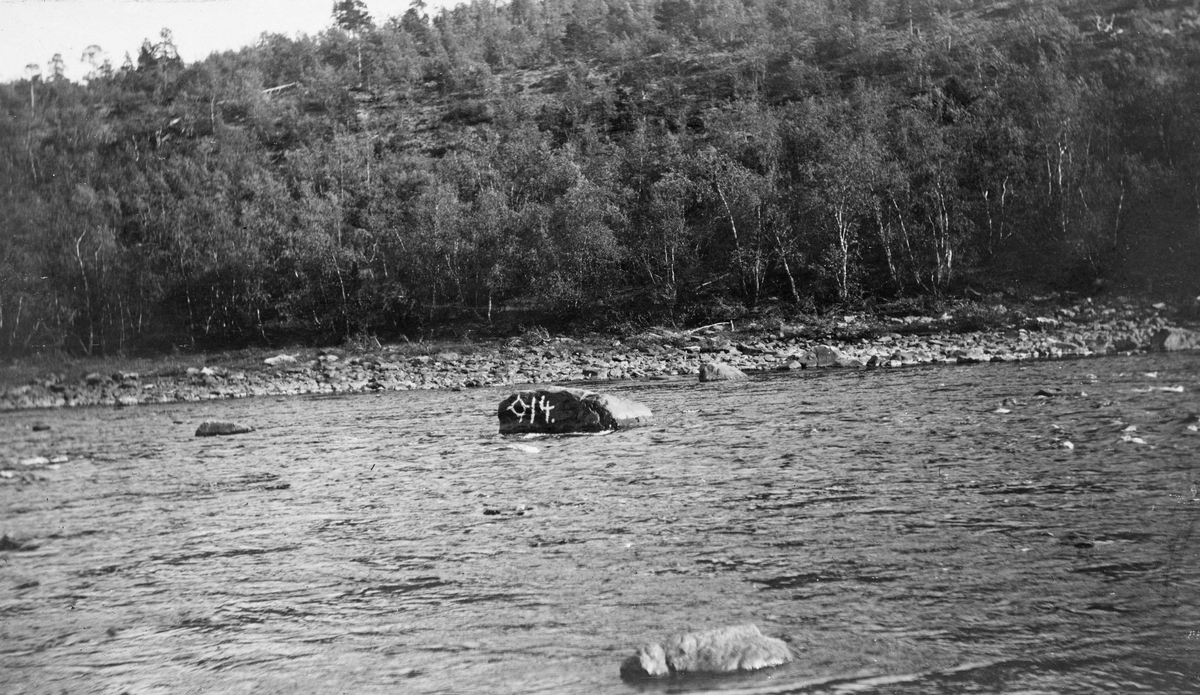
{"points": [[864, 342]]}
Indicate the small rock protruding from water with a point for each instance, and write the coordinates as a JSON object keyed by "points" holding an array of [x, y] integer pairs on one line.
{"points": [[556, 410], [719, 371], [722, 650], [214, 428]]}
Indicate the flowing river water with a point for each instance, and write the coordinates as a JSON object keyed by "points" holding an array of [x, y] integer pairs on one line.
{"points": [[898, 529]]}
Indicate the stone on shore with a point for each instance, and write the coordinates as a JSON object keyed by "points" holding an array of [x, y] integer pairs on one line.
{"points": [[556, 410], [973, 355], [806, 358], [717, 371], [595, 373], [722, 650], [280, 359], [213, 428], [1173, 339], [830, 356]]}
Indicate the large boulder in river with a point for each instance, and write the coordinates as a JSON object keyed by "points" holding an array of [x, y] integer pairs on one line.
{"points": [[717, 371], [723, 650], [556, 410], [1172, 339]]}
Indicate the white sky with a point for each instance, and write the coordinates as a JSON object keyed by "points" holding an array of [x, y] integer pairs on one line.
{"points": [[32, 31]]}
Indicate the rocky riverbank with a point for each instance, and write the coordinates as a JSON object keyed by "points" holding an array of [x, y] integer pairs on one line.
{"points": [[966, 333]]}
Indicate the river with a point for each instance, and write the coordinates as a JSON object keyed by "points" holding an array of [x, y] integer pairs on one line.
{"points": [[898, 528]]}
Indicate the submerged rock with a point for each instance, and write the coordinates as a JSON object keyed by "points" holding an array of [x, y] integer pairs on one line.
{"points": [[555, 410], [717, 371], [214, 428], [7, 543], [723, 650]]}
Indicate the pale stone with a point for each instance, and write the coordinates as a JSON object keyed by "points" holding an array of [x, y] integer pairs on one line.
{"points": [[722, 650], [1173, 339], [830, 356], [717, 371]]}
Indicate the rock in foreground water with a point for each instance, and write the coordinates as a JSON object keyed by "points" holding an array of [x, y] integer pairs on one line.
{"points": [[554, 410], [723, 650], [214, 428]]}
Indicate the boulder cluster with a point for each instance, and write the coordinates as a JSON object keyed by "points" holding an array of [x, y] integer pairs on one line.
{"points": [[855, 342]]}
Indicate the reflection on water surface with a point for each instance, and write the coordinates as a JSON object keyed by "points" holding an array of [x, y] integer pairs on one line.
{"points": [[897, 528]]}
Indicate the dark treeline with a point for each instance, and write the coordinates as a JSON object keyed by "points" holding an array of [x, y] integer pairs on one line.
{"points": [[603, 160]]}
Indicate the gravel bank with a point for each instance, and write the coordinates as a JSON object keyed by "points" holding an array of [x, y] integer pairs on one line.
{"points": [[974, 334]]}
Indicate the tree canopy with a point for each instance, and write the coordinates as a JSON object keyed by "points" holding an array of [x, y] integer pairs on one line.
{"points": [[598, 161]]}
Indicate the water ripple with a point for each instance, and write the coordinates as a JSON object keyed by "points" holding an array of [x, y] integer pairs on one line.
{"points": [[915, 531]]}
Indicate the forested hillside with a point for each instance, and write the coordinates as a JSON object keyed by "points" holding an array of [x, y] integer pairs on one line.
{"points": [[599, 161]]}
